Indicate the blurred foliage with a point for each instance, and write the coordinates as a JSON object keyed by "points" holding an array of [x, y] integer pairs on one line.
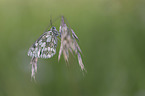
{"points": [[112, 39]]}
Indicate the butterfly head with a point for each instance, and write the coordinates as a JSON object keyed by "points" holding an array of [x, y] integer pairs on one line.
{"points": [[53, 29]]}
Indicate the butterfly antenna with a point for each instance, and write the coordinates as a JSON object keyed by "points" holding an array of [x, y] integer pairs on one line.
{"points": [[50, 24], [51, 21]]}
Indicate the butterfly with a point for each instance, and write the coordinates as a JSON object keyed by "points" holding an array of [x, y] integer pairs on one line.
{"points": [[45, 45]]}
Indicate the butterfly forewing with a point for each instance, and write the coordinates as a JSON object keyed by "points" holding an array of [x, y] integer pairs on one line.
{"points": [[45, 46]]}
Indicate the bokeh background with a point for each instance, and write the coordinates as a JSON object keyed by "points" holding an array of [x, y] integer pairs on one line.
{"points": [[112, 39]]}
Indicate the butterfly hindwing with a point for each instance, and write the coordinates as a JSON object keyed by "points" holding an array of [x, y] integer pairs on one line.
{"points": [[45, 46]]}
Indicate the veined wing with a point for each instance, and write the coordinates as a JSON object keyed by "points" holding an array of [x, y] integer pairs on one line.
{"points": [[45, 46]]}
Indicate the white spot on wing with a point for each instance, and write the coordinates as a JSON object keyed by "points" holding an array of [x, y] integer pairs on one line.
{"points": [[51, 49], [36, 44], [48, 39], [54, 42], [45, 49], [54, 50], [49, 55], [40, 40], [39, 53], [44, 56], [48, 48], [43, 44]]}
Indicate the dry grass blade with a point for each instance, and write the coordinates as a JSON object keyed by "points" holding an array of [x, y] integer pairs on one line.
{"points": [[69, 43], [81, 62], [34, 67]]}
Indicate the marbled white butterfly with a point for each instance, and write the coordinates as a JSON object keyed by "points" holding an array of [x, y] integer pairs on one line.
{"points": [[45, 46]]}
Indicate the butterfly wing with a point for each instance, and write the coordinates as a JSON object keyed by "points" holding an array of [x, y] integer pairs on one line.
{"points": [[45, 46]]}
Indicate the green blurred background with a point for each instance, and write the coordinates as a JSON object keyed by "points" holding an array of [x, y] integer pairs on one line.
{"points": [[112, 38]]}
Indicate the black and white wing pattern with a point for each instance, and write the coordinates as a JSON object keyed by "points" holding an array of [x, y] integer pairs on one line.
{"points": [[45, 46]]}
